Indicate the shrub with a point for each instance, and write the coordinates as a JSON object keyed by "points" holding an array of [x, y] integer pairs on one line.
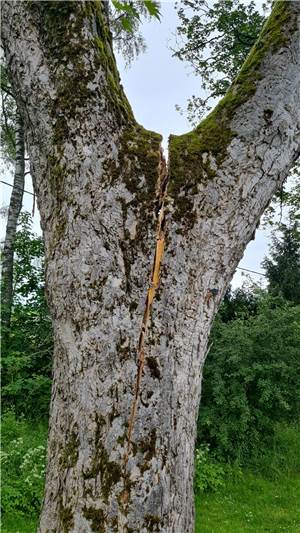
{"points": [[209, 475], [23, 465], [251, 381]]}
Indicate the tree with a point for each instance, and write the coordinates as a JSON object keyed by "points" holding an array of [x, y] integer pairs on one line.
{"points": [[27, 358], [131, 331], [283, 267], [125, 19], [215, 39], [14, 147]]}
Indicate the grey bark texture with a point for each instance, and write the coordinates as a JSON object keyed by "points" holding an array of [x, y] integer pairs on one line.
{"points": [[15, 206], [136, 270]]}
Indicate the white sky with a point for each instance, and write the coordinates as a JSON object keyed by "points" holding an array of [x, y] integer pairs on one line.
{"points": [[154, 84]]}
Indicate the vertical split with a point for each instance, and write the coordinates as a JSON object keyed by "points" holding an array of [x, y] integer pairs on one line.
{"points": [[163, 178]]}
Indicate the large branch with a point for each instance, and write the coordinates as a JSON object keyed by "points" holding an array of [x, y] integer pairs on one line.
{"points": [[222, 176], [227, 169]]}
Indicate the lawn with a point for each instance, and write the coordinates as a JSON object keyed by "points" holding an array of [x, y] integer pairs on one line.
{"points": [[253, 504]]}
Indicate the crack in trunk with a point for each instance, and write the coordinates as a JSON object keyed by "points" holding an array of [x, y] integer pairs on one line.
{"points": [[163, 179]]}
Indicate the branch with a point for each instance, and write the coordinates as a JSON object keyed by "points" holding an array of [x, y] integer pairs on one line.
{"points": [[228, 168]]}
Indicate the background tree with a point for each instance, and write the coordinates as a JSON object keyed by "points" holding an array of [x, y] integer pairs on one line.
{"points": [[27, 358], [13, 143], [125, 20], [251, 380], [127, 381], [283, 265]]}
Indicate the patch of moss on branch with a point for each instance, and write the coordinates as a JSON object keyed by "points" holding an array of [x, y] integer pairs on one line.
{"points": [[189, 153], [153, 523], [78, 44], [69, 455], [138, 167], [66, 518], [109, 471], [96, 517]]}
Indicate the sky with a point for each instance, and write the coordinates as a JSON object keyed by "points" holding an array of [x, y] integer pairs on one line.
{"points": [[154, 84]]}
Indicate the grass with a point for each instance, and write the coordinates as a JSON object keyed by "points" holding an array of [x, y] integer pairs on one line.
{"points": [[263, 499], [17, 523], [253, 504]]}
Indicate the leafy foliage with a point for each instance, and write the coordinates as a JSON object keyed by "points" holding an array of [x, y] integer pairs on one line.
{"points": [[125, 20], [251, 380], [209, 474], [215, 39], [239, 304], [23, 466], [283, 267], [27, 361]]}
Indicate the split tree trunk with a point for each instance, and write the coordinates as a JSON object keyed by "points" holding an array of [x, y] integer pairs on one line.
{"points": [[136, 271], [15, 206]]}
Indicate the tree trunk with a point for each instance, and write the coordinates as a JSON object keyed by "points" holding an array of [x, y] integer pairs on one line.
{"points": [[15, 206], [135, 272]]}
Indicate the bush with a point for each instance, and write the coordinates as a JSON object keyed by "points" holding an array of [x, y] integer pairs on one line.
{"points": [[23, 465], [251, 381], [27, 350], [209, 475]]}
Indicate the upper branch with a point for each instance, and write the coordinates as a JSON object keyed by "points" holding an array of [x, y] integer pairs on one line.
{"points": [[237, 157], [62, 64]]}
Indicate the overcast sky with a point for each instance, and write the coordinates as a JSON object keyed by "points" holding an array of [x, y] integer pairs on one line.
{"points": [[154, 84]]}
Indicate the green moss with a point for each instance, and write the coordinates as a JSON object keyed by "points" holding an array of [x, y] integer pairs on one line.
{"points": [[148, 445], [110, 472], [138, 167], [153, 523], [140, 156], [123, 351], [61, 26], [141, 149], [96, 517], [69, 456], [189, 153], [66, 518], [133, 306], [153, 367]]}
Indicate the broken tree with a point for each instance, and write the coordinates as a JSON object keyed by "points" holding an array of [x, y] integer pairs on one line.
{"points": [[129, 349]]}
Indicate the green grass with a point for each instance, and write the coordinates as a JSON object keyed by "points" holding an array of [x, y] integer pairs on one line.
{"points": [[263, 499], [253, 504], [16, 523]]}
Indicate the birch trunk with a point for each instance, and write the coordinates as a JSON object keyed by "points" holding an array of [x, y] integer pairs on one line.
{"points": [[136, 270], [15, 206]]}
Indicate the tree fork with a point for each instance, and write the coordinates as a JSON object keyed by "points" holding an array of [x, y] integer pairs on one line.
{"points": [[95, 173]]}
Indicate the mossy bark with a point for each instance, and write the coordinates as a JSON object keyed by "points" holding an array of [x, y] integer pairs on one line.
{"points": [[130, 266]]}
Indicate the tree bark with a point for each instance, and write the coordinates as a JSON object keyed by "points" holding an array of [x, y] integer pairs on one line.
{"points": [[15, 206], [136, 271]]}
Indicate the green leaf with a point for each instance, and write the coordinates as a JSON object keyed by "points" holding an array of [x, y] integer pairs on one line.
{"points": [[127, 24], [152, 8], [119, 6]]}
